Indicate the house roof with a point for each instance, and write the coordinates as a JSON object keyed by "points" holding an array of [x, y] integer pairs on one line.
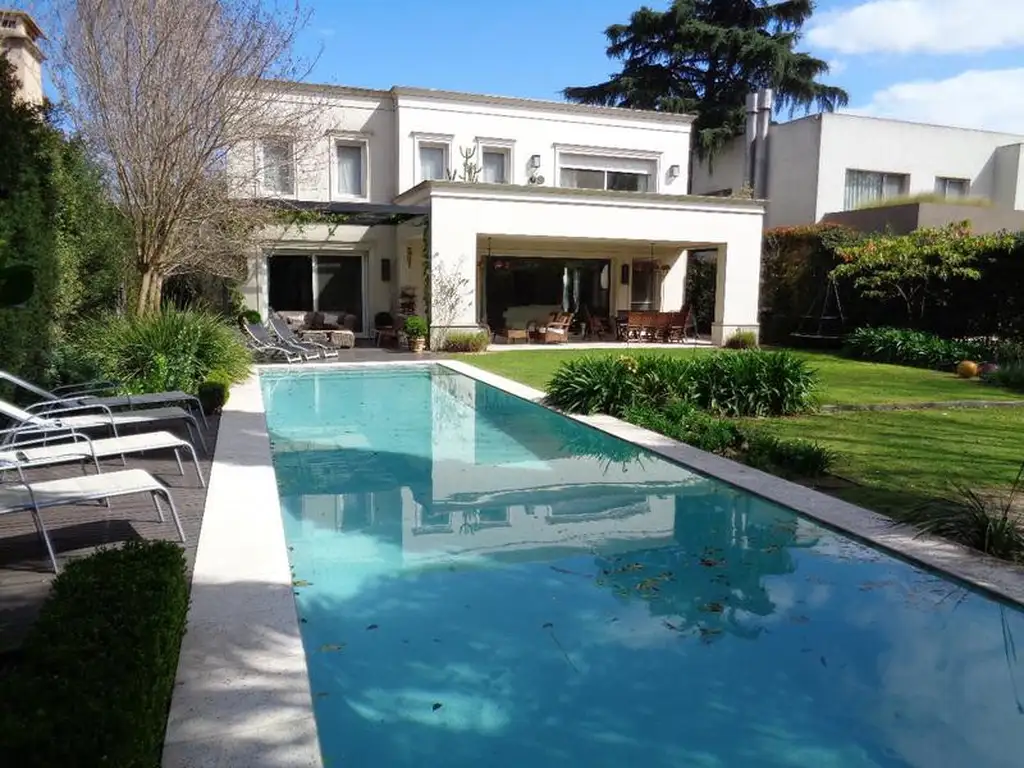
{"points": [[399, 91]]}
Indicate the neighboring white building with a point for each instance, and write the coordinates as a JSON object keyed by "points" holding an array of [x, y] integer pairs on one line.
{"points": [[577, 204], [19, 41], [827, 163]]}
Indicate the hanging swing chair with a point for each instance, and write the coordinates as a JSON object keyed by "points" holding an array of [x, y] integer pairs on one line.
{"points": [[824, 321]]}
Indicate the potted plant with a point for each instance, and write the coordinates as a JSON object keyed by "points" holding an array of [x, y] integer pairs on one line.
{"points": [[416, 331]]}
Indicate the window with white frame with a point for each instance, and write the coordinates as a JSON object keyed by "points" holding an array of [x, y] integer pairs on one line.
{"points": [[350, 168], [948, 187], [494, 165], [433, 161], [624, 174], [866, 187], [278, 167]]}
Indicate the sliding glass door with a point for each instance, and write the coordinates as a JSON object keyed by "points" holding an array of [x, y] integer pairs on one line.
{"points": [[320, 282]]}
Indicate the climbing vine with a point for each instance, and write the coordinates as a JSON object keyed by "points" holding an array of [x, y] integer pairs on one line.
{"points": [[300, 219], [426, 269]]}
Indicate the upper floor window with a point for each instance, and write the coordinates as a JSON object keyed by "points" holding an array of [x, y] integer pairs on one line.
{"points": [[581, 168], [866, 187], [279, 167], [946, 187], [433, 162], [350, 166], [494, 167], [585, 178]]}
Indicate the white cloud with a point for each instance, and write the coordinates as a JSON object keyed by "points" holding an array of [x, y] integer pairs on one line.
{"points": [[988, 99], [836, 67], [921, 26]]}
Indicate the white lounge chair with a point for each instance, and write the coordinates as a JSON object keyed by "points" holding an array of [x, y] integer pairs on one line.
{"points": [[78, 417], [259, 340], [78, 394], [287, 336], [73, 446], [37, 496]]}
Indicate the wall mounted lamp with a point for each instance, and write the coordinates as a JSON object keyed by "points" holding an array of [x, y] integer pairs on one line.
{"points": [[674, 171], [534, 162]]}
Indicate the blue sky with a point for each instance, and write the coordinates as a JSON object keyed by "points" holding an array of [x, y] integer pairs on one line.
{"points": [[946, 61]]}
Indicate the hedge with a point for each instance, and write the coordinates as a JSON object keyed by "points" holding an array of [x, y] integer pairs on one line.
{"points": [[95, 682]]}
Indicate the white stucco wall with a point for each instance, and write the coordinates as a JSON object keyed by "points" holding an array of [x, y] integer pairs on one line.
{"points": [[538, 128], [461, 214], [1009, 179], [793, 167], [924, 152]]}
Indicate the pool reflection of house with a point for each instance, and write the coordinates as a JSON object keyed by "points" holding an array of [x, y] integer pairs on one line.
{"points": [[502, 478]]}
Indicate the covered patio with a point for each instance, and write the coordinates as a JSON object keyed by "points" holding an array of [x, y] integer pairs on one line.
{"points": [[511, 257]]}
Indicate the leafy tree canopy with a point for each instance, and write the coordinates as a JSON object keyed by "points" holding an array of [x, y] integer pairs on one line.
{"points": [[705, 56]]}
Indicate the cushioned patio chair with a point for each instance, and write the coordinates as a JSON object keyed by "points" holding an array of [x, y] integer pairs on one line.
{"points": [[35, 497], [557, 330]]}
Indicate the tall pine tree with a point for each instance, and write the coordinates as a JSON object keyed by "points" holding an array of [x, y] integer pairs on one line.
{"points": [[705, 56]]}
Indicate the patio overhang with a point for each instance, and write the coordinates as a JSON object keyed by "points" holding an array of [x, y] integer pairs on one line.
{"points": [[353, 213], [468, 220]]}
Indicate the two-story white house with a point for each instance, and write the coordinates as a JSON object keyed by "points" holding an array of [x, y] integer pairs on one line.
{"points": [[828, 163], [584, 208]]}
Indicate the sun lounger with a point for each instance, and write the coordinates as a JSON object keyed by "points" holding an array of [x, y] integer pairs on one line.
{"points": [[98, 416], [259, 340], [74, 446], [87, 392], [37, 496], [287, 336]]}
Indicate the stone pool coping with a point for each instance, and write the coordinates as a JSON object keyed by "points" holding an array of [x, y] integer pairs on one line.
{"points": [[242, 697], [994, 576]]}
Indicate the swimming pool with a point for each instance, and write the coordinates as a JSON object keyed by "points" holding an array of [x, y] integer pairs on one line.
{"points": [[481, 581]]}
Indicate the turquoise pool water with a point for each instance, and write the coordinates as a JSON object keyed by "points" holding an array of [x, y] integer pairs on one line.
{"points": [[482, 582]]}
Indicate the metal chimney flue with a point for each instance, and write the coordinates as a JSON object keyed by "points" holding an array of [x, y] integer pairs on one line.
{"points": [[750, 140], [765, 103]]}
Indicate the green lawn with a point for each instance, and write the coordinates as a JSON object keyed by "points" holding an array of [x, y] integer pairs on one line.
{"points": [[899, 457], [844, 382], [896, 458]]}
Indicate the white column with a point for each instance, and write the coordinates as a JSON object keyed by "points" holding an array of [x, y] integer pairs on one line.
{"points": [[453, 254], [737, 288], [673, 286]]}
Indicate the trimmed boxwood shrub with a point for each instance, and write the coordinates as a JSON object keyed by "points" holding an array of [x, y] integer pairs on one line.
{"points": [[749, 383], [213, 394], [95, 682]]}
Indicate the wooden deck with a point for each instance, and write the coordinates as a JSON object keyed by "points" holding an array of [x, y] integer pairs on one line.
{"points": [[76, 531]]}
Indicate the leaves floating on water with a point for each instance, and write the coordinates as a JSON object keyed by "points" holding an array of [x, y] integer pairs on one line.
{"points": [[372, 626], [547, 625], [709, 562], [437, 706], [823, 662], [302, 583], [800, 619], [331, 647], [713, 607], [304, 620], [321, 694]]}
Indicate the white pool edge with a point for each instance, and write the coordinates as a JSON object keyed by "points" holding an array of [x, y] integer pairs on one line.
{"points": [[987, 573], [242, 694]]}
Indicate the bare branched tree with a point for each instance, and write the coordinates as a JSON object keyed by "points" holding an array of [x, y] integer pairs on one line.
{"points": [[175, 96]]}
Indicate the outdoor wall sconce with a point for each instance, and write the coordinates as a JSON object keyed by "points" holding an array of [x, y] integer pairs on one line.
{"points": [[624, 277], [673, 171], [385, 270], [534, 162]]}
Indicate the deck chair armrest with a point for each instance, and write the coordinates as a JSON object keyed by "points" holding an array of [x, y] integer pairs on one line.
{"points": [[81, 408], [72, 436], [96, 385]]}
